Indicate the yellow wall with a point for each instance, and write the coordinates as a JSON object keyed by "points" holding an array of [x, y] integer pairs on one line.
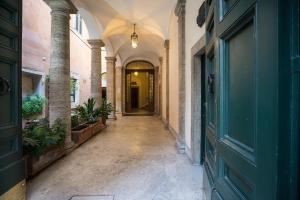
{"points": [[142, 81]]}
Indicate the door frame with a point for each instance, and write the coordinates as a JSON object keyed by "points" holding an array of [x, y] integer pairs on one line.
{"points": [[198, 51], [126, 110]]}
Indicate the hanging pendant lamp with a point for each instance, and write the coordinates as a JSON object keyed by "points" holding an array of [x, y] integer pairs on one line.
{"points": [[134, 39]]}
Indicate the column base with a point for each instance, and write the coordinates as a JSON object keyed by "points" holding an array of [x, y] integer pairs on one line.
{"points": [[180, 146], [112, 116], [69, 147], [166, 126]]}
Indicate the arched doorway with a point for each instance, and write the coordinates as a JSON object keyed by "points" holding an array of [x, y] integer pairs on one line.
{"points": [[139, 88]]}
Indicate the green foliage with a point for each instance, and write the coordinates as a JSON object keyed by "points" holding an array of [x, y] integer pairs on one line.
{"points": [[73, 84], [32, 106], [87, 112], [75, 120], [38, 137], [105, 109]]}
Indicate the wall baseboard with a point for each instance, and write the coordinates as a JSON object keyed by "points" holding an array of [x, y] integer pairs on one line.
{"points": [[172, 130]]}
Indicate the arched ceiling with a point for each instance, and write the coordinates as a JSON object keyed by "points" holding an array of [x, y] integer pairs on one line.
{"points": [[112, 21]]}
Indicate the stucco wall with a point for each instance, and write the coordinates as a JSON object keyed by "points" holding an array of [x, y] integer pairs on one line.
{"points": [[37, 45], [173, 74], [80, 54], [193, 34], [36, 35], [27, 84]]}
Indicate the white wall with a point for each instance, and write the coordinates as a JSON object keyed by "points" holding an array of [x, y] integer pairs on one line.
{"points": [[193, 34]]}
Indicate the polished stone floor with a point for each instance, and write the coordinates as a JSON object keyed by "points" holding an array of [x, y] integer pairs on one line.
{"points": [[133, 159]]}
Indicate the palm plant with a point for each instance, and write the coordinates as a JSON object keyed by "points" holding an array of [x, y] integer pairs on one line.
{"points": [[87, 112], [105, 109]]}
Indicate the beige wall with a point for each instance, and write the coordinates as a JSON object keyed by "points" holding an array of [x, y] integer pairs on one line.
{"points": [[173, 74], [37, 45], [193, 34]]}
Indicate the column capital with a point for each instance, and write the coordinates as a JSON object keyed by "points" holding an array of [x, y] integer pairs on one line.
{"points": [[62, 5], [96, 43], [161, 59], [167, 44], [180, 8], [111, 59]]}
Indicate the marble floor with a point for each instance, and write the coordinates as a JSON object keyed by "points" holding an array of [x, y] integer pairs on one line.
{"points": [[133, 159]]}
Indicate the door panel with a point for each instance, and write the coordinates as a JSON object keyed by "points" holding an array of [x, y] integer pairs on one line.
{"points": [[245, 94], [11, 163]]}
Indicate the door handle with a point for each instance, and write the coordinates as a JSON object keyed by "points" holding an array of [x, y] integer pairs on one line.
{"points": [[4, 86]]}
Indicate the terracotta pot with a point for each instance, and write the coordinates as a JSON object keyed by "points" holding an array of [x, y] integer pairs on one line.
{"points": [[82, 133], [36, 164], [103, 121]]}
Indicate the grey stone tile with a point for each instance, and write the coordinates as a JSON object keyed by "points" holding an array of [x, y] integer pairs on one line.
{"points": [[133, 159]]}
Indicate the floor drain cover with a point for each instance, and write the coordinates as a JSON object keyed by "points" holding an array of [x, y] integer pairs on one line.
{"points": [[93, 197]]}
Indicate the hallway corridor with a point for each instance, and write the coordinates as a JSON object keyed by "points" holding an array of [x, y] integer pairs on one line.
{"points": [[133, 159]]}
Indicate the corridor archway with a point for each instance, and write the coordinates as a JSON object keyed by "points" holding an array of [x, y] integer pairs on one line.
{"points": [[139, 88]]}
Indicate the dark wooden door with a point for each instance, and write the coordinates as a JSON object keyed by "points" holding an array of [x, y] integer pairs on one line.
{"points": [[135, 97], [241, 95], [203, 108], [11, 163]]}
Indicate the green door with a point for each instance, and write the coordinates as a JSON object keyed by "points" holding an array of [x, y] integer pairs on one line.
{"points": [[241, 133], [11, 163]]}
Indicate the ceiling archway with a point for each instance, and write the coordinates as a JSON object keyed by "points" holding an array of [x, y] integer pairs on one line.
{"points": [[112, 21]]}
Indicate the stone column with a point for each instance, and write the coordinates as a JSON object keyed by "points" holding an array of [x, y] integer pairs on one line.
{"points": [[110, 88], [156, 90], [119, 89], [160, 86], [96, 86], [59, 72], [180, 13], [167, 44]]}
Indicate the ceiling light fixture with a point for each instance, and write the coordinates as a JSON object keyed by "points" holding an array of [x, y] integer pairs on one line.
{"points": [[134, 38]]}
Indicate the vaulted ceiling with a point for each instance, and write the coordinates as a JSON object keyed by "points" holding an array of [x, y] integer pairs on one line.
{"points": [[112, 21]]}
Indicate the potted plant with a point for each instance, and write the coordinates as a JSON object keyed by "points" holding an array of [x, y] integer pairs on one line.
{"points": [[81, 131], [89, 123], [43, 144], [32, 108], [105, 110]]}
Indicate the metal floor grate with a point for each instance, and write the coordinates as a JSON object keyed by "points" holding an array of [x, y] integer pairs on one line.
{"points": [[92, 197]]}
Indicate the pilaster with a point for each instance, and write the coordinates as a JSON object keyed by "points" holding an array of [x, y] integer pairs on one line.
{"points": [[167, 49], [180, 13]]}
